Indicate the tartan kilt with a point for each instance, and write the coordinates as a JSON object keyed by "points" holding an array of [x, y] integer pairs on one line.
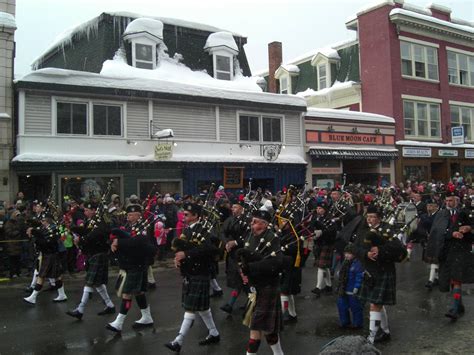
{"points": [[195, 294], [267, 315], [234, 280], [382, 290], [131, 282], [323, 256], [97, 270], [50, 266], [290, 281]]}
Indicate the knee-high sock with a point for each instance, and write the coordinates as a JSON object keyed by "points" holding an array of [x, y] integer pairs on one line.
{"points": [[433, 272], [150, 276], [125, 306], [188, 321], [384, 320], [215, 286], [375, 318], [284, 299], [291, 306], [85, 297], [252, 346], [327, 277], [276, 348], [320, 279], [457, 298], [209, 321], [35, 277], [141, 301], [102, 290]]}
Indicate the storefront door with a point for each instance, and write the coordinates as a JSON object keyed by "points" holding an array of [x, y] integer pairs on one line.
{"points": [[438, 172]]}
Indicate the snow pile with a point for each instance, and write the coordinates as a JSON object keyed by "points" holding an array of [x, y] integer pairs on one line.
{"points": [[417, 9], [329, 53], [291, 68], [327, 91], [140, 25], [169, 69], [7, 20], [221, 39]]}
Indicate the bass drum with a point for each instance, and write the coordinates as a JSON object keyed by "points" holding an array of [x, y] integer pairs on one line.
{"points": [[407, 216]]}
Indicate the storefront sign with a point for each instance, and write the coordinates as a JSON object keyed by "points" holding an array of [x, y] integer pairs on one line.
{"points": [[417, 152], [327, 171], [351, 138], [469, 153], [447, 153], [457, 135], [163, 151], [233, 177]]}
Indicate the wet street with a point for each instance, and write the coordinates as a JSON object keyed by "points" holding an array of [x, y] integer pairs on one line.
{"points": [[417, 322]]}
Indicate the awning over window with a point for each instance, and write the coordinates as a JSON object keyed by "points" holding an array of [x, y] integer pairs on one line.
{"points": [[345, 154]]}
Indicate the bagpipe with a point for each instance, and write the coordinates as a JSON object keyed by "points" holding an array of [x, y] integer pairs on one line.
{"points": [[102, 209]]}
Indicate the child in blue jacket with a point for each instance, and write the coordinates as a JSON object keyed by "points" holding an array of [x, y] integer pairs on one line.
{"points": [[350, 281]]}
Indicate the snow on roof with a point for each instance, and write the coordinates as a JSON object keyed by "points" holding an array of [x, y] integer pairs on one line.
{"points": [[167, 78], [149, 25], [91, 26], [329, 53], [327, 91], [38, 157], [346, 147], [433, 144], [348, 115], [221, 39], [7, 20], [433, 20], [370, 7], [438, 7], [418, 9]]}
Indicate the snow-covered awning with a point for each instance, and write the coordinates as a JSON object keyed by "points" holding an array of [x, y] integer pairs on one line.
{"points": [[221, 40], [213, 92], [348, 115], [344, 153], [145, 26], [71, 158]]}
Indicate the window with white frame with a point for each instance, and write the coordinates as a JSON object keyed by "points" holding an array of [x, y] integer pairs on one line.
{"points": [[463, 116], [284, 85], [144, 55], [322, 76], [260, 128], [71, 118], [107, 120], [421, 119], [419, 61], [223, 67], [460, 69]]}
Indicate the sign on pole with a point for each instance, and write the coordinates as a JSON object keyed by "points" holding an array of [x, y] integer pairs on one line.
{"points": [[457, 135]]}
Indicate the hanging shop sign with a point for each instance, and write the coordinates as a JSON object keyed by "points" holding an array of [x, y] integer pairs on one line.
{"points": [[413, 152], [457, 135], [233, 177], [163, 151], [447, 153]]}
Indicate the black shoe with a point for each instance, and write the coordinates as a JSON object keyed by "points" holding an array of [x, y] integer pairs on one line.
{"points": [[217, 294], [109, 327], [227, 308], [210, 339], [316, 291], [461, 309], [452, 314], [382, 336], [137, 325], [28, 289], [328, 290], [75, 314], [151, 285], [429, 285], [106, 310], [173, 346], [436, 282], [288, 318]]}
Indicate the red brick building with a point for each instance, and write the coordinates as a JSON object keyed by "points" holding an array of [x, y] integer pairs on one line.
{"points": [[410, 63]]}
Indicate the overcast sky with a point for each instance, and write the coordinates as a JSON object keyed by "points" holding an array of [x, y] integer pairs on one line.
{"points": [[301, 25]]}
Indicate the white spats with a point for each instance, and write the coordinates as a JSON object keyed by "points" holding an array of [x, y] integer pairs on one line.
{"points": [[117, 324], [102, 290], [384, 320], [85, 298], [146, 318], [209, 321], [276, 348], [61, 295], [32, 298]]}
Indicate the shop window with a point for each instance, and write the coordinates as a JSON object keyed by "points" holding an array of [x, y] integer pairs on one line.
{"points": [[71, 118], [163, 187], [419, 61], [88, 187], [415, 173], [320, 163]]}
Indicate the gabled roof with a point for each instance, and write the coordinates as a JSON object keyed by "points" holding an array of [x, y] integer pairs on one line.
{"points": [[286, 69]]}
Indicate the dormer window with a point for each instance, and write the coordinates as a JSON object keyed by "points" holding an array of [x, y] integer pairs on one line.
{"points": [[323, 60], [222, 47], [144, 35], [285, 75]]}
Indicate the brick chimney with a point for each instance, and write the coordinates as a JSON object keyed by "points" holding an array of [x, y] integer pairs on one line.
{"points": [[440, 12], [275, 57]]}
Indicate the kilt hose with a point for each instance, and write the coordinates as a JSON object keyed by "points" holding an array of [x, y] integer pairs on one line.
{"points": [[267, 315], [323, 256], [380, 289], [290, 282], [97, 270], [50, 266], [131, 282], [195, 293]]}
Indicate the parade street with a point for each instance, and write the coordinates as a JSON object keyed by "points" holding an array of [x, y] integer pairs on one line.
{"points": [[417, 321]]}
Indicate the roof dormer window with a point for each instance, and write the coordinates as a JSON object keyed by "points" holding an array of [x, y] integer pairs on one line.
{"points": [[144, 35], [285, 74], [222, 47], [323, 60]]}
